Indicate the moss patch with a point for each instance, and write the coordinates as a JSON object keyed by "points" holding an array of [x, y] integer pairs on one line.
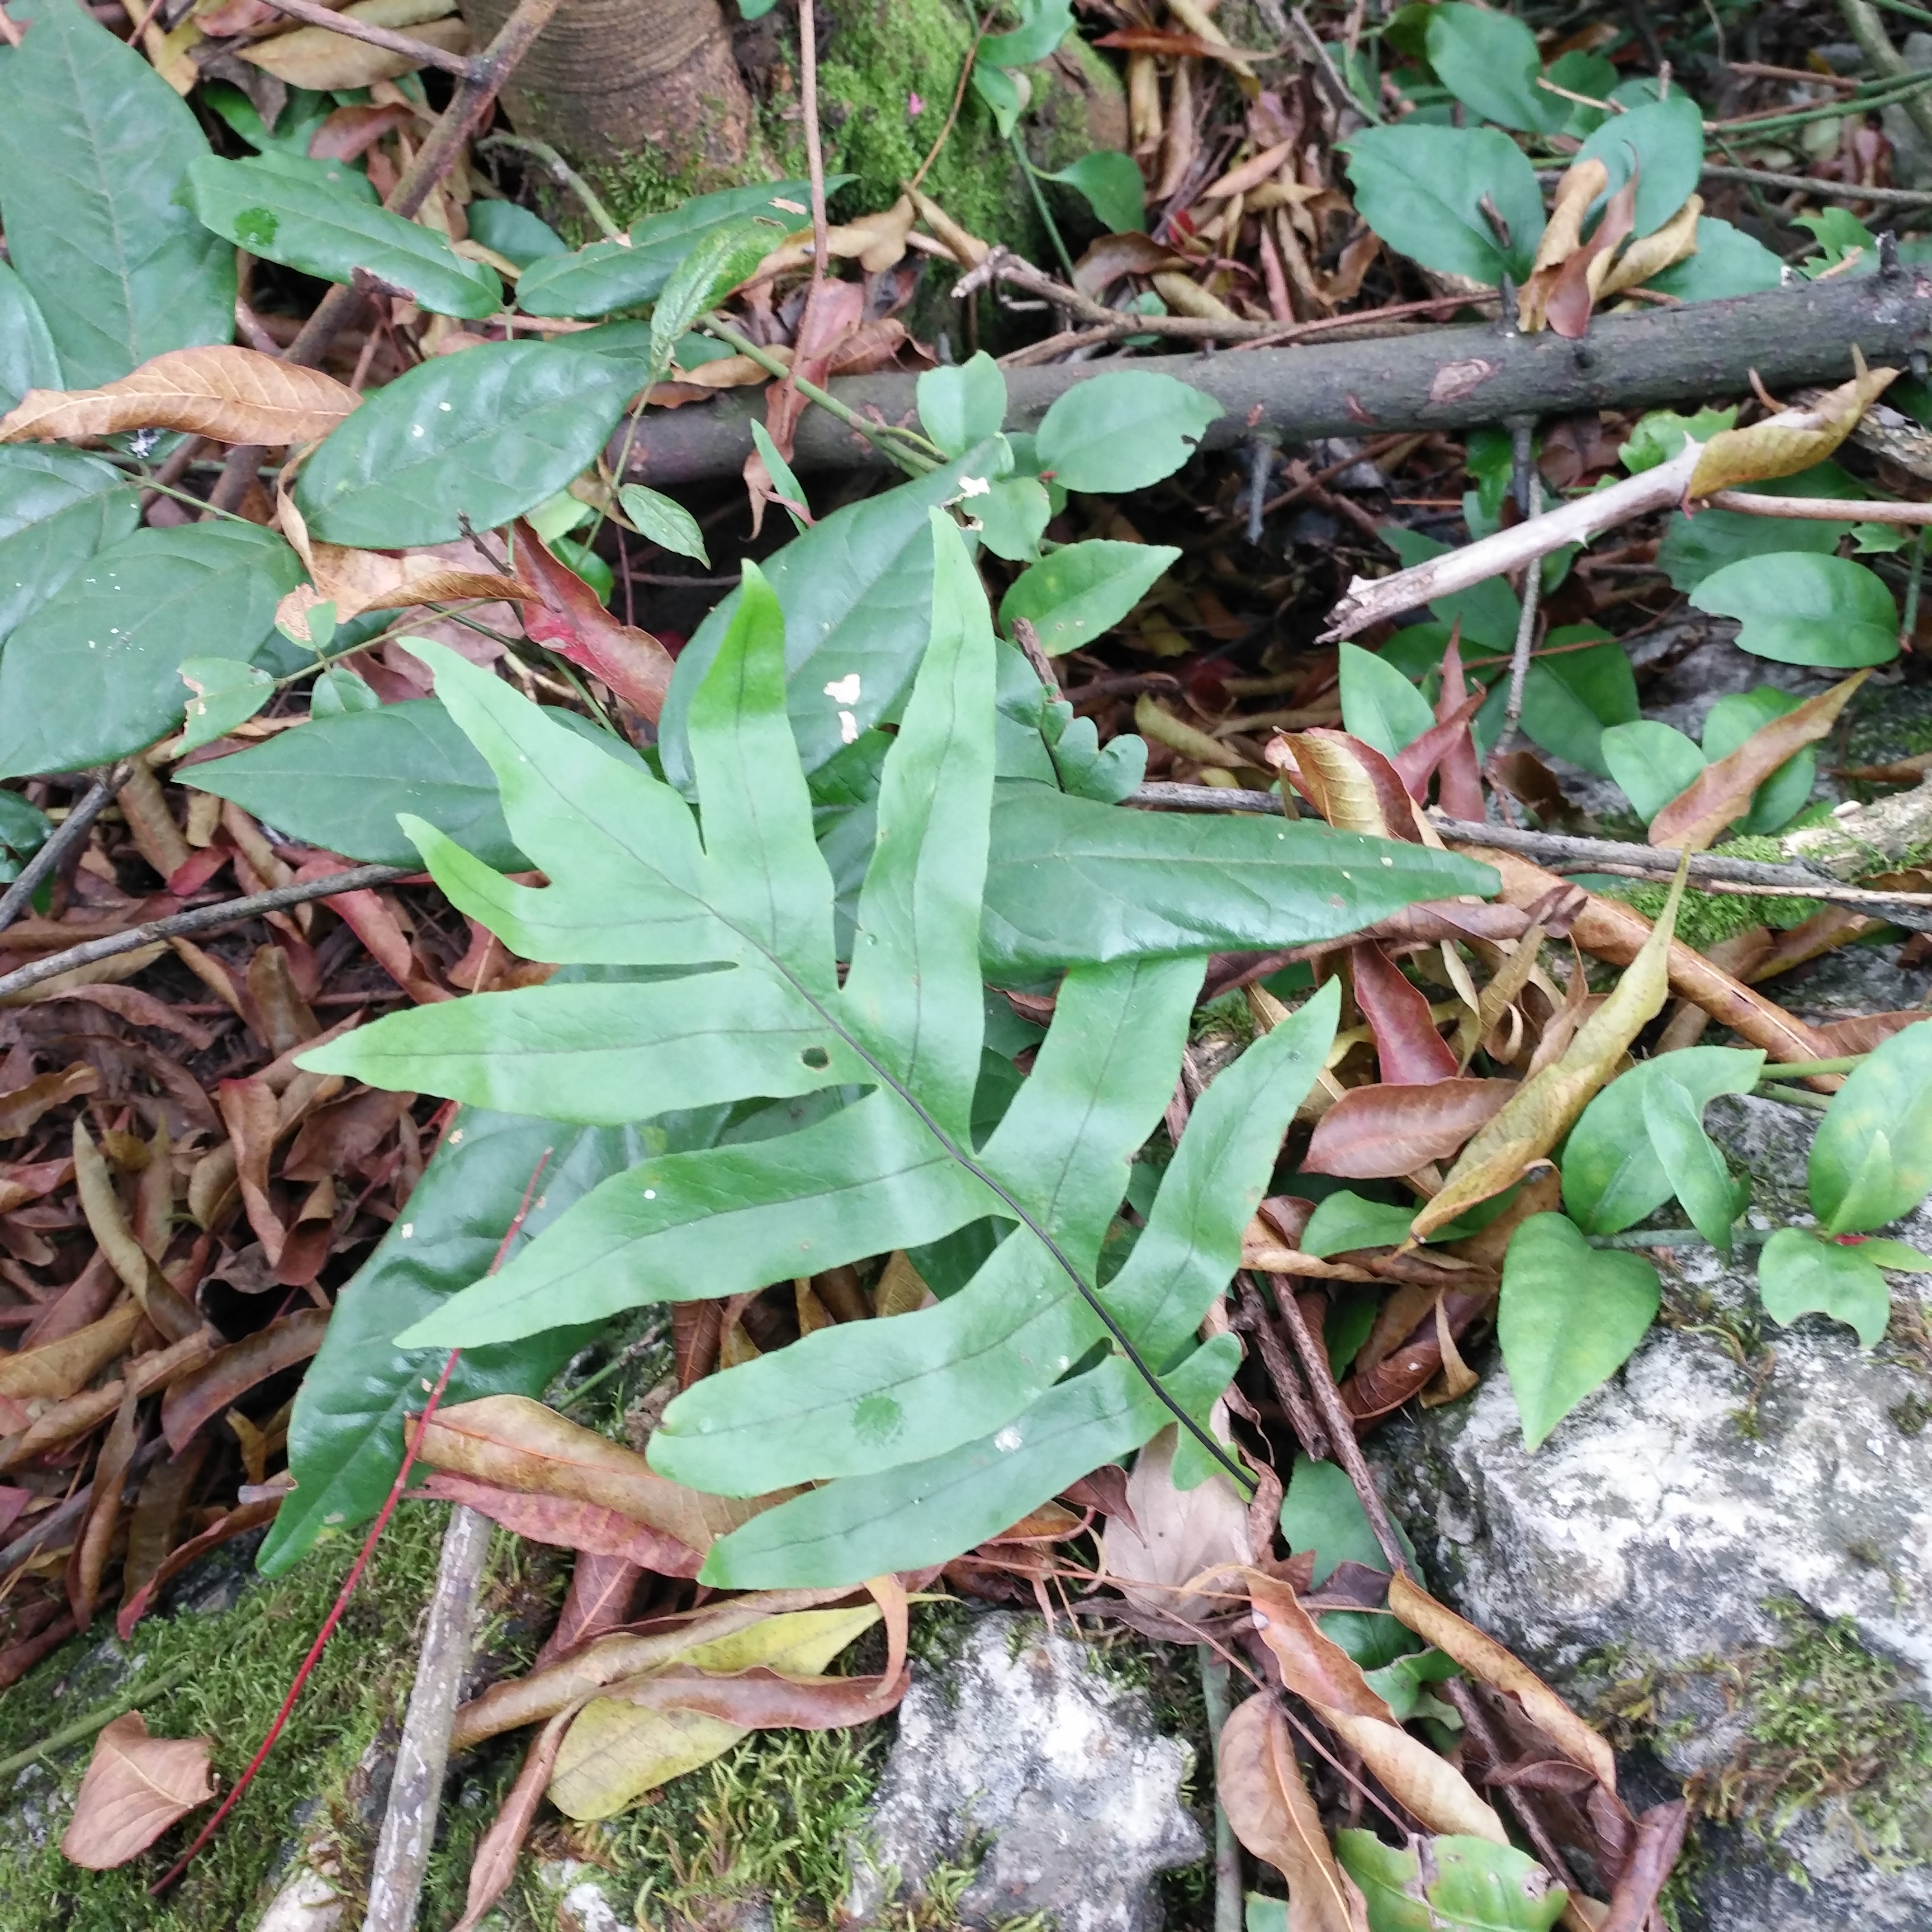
{"points": [[241, 1662], [1705, 918]]}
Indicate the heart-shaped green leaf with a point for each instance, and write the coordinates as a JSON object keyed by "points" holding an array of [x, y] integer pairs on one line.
{"points": [[1674, 1120], [1798, 1274], [1871, 1161], [1569, 1318]]}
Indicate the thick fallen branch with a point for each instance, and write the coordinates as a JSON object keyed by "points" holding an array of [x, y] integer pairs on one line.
{"points": [[1448, 378]]}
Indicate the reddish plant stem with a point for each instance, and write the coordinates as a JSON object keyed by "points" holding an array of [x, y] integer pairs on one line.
{"points": [[355, 1576]]}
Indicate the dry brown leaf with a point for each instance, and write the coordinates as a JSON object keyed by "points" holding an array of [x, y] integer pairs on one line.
{"points": [[22, 1107], [1791, 442], [1546, 1106], [228, 395], [1431, 1787], [1722, 791], [57, 1369], [1315, 1667], [495, 1863], [159, 1300], [1382, 1131], [1262, 1790], [517, 1444], [1581, 183], [1172, 1535], [1484, 1658], [1351, 784], [319, 58], [1650, 254], [564, 1523], [135, 1787]]}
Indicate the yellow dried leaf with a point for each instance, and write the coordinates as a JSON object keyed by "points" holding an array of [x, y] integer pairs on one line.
{"points": [[616, 1751], [1791, 441], [1650, 255], [1430, 1786], [1544, 1110], [1581, 185], [356, 580], [228, 395]]}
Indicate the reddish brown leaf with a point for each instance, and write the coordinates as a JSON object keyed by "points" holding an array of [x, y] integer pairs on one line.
{"points": [[135, 1787], [338, 1139], [1165, 41], [1313, 1666], [1723, 791], [1103, 1490], [231, 1372], [601, 1591], [20, 1108], [351, 132], [1863, 1032], [761, 1699], [1411, 1052], [90, 1553], [566, 1523], [1375, 1132], [568, 617], [248, 1111], [1262, 1790], [22, 1181], [1419, 760], [143, 1009], [236, 1523], [156, 1524], [84, 1300], [12, 1502], [495, 1864]]}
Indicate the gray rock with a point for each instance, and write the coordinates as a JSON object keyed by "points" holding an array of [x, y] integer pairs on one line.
{"points": [[1665, 1514], [1019, 1741]]}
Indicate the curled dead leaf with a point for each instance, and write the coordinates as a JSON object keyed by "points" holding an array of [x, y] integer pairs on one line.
{"points": [[1791, 441], [227, 394], [1379, 1132]]}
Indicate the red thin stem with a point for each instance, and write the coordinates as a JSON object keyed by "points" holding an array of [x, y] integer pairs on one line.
{"points": [[361, 1563]]}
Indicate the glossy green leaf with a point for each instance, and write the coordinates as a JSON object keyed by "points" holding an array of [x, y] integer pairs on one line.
{"points": [[1663, 143], [611, 275], [487, 434], [328, 230], [1421, 189], [1728, 262], [57, 508], [338, 782], [1569, 1318], [1652, 762], [1343, 1222], [1110, 183], [1698, 1175], [1379, 705], [1489, 61], [1855, 1184], [94, 144], [1122, 431], [339, 690], [1070, 880], [962, 405], [856, 592], [1468, 1884], [716, 262], [95, 673], [664, 520], [225, 692], [27, 359], [1786, 792], [1611, 1175], [1798, 1274], [1082, 591], [1571, 696], [1801, 608], [1660, 434], [346, 1435]]}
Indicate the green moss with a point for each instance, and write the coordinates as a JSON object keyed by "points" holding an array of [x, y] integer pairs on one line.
{"points": [[876, 59], [1705, 918], [241, 1662]]}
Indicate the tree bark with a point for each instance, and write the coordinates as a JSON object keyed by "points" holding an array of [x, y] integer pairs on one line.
{"points": [[1449, 379], [611, 80]]}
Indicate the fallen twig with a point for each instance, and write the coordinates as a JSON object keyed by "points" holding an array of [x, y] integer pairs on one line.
{"points": [[422, 52], [202, 918], [1824, 191], [71, 832], [422, 1756]]}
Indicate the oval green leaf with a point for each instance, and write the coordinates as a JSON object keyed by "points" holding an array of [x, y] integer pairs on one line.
{"points": [[306, 223], [1889, 1099], [1804, 609], [487, 435], [1421, 190], [1798, 1274], [1122, 431], [1083, 591], [57, 508]]}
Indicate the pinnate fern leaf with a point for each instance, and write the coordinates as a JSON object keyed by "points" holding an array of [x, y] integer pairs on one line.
{"points": [[927, 1432]]}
